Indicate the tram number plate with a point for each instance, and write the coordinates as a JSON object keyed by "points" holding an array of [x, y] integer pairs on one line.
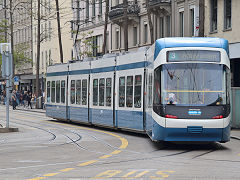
{"points": [[194, 112]]}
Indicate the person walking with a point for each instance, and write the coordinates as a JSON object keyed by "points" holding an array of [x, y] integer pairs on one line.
{"points": [[29, 98], [14, 100]]}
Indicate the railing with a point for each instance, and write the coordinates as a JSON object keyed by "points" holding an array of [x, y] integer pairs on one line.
{"points": [[156, 2], [235, 107], [118, 10]]}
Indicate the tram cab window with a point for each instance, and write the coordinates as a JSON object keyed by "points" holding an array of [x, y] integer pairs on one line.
{"points": [[129, 94], [48, 91], [101, 91], [84, 92], [72, 92], [63, 91], [78, 92], [121, 92], [137, 91], [53, 92], [108, 91], [95, 92], [57, 91]]}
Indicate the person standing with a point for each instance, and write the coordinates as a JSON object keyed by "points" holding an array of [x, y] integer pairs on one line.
{"points": [[29, 98], [14, 100]]}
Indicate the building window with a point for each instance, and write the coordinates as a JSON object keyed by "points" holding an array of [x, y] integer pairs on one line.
{"points": [[213, 15], [161, 22], [117, 39], [135, 35], [50, 57], [145, 34], [87, 9], [100, 6], [78, 11], [181, 23], [50, 30], [168, 22], [93, 8], [192, 22], [227, 14]]}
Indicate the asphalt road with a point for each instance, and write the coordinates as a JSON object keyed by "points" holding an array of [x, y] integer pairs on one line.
{"points": [[48, 149]]}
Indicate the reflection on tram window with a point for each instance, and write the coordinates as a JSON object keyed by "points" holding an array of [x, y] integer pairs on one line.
{"points": [[48, 91], [63, 91], [101, 91], [129, 94], [72, 91], [78, 92], [121, 92], [84, 92], [57, 91], [53, 97], [137, 91], [108, 91], [95, 92], [192, 84]]}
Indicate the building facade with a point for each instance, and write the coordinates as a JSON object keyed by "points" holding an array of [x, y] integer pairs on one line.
{"points": [[169, 18], [222, 20]]}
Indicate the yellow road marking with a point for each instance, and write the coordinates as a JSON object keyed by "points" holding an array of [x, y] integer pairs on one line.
{"points": [[128, 174], [87, 163], [107, 174], [116, 152], [50, 174], [239, 154], [67, 169], [105, 156], [37, 178], [141, 174]]}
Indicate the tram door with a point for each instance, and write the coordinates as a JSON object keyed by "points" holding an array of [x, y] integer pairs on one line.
{"points": [[78, 85], [101, 91], [129, 91]]}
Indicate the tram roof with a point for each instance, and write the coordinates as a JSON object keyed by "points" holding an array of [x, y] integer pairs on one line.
{"points": [[190, 42]]}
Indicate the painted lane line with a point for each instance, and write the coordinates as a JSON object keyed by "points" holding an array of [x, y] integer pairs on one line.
{"points": [[141, 174], [87, 163], [38, 178], [67, 169], [128, 174], [50, 174], [105, 156], [116, 152]]}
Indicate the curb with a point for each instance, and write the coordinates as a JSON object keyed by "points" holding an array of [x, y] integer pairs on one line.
{"points": [[30, 110]]}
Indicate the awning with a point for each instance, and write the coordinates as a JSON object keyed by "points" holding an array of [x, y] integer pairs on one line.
{"points": [[30, 76]]}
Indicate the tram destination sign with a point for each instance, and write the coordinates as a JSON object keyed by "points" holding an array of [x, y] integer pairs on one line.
{"points": [[193, 55]]}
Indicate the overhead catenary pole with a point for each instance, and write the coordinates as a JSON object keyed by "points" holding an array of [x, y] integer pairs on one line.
{"points": [[125, 24], [38, 49], [59, 32]]}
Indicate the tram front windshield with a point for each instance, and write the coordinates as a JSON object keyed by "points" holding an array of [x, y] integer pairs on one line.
{"points": [[192, 84]]}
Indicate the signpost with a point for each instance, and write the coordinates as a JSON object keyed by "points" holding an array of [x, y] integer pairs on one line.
{"points": [[7, 64]]}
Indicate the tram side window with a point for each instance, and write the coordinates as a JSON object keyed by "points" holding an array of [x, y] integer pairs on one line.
{"points": [[72, 92], [150, 90], [63, 91], [101, 91], [121, 91], [48, 91], [57, 91], [95, 92], [108, 91], [129, 96], [84, 92], [137, 91], [78, 92], [53, 92]]}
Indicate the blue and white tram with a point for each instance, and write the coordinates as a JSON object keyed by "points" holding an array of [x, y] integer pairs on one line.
{"points": [[177, 90]]}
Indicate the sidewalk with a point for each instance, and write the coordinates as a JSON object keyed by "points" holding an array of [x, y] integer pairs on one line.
{"points": [[21, 108]]}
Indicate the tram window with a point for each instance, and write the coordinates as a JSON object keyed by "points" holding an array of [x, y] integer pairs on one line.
{"points": [[150, 90], [78, 92], [84, 92], [57, 91], [129, 96], [108, 91], [72, 92], [95, 92], [121, 91], [101, 91], [53, 92], [137, 91], [63, 91], [48, 91]]}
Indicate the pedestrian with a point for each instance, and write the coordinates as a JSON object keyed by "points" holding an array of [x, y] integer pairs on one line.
{"points": [[14, 100], [25, 99], [29, 98]]}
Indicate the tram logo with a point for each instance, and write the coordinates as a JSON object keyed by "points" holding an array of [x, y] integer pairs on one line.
{"points": [[194, 112]]}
